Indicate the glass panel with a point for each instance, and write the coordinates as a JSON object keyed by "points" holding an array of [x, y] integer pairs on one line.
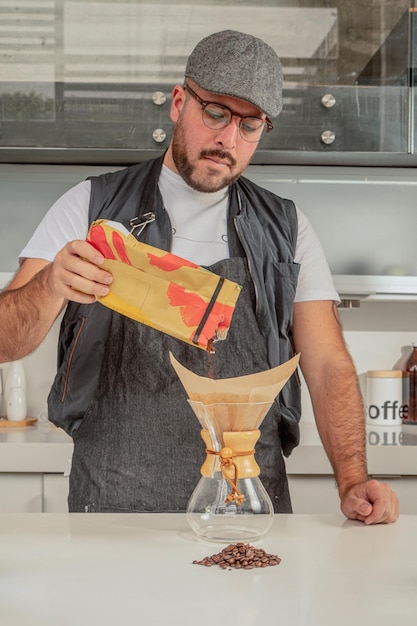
{"points": [[413, 77], [92, 76]]}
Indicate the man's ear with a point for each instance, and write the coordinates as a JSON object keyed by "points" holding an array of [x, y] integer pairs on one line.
{"points": [[178, 99]]}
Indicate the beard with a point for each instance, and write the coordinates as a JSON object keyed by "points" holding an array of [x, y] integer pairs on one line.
{"points": [[196, 179]]}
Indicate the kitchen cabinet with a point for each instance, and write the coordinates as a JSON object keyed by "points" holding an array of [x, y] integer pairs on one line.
{"points": [[33, 493], [34, 464], [312, 493], [55, 493], [21, 493]]}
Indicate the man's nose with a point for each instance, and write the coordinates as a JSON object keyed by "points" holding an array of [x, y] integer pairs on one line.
{"points": [[228, 135]]}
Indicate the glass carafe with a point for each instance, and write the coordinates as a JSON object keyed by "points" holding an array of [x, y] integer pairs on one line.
{"points": [[229, 503]]}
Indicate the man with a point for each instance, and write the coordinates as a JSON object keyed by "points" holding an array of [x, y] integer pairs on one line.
{"points": [[136, 442]]}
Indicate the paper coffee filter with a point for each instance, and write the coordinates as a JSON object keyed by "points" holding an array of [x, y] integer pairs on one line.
{"points": [[233, 404], [260, 387], [230, 417]]}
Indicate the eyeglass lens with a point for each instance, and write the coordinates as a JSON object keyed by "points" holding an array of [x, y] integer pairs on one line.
{"points": [[216, 117]]}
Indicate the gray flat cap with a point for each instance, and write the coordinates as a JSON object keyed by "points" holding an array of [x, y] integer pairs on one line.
{"points": [[234, 64]]}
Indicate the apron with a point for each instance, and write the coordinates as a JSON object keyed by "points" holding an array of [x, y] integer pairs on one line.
{"points": [[138, 448]]}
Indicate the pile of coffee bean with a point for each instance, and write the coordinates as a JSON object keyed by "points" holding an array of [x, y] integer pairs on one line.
{"points": [[240, 556]]}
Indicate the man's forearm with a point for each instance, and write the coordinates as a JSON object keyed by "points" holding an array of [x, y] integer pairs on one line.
{"points": [[338, 408], [26, 315]]}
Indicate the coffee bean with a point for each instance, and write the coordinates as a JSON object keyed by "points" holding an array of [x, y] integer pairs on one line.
{"points": [[240, 556]]}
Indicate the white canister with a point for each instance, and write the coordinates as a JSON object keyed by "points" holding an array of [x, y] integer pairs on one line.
{"points": [[384, 398], [16, 378], [15, 392], [16, 409]]}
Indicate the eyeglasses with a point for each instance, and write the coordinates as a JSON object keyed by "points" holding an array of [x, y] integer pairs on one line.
{"points": [[217, 116]]}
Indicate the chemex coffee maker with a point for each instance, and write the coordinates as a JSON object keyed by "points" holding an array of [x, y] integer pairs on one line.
{"points": [[230, 503]]}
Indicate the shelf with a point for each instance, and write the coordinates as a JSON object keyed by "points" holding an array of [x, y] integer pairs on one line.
{"points": [[350, 287], [376, 288]]}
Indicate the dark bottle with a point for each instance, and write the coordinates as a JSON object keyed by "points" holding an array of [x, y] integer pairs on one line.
{"points": [[410, 387]]}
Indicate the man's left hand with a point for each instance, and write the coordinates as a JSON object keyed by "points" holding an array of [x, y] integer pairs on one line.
{"points": [[371, 502]]}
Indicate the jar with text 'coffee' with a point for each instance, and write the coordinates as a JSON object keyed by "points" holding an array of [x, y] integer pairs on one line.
{"points": [[385, 402]]}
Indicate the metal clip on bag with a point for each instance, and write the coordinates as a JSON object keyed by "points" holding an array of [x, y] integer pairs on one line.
{"points": [[162, 290]]}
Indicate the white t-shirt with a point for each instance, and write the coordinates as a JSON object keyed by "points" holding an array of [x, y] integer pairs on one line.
{"points": [[190, 212]]}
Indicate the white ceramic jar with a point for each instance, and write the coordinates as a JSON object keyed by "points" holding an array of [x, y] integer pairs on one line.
{"points": [[384, 398], [15, 392]]}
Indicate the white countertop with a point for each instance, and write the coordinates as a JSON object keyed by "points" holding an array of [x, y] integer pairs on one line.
{"points": [[83, 569], [45, 448]]}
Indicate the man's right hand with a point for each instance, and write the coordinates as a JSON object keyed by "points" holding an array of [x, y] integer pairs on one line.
{"points": [[76, 274]]}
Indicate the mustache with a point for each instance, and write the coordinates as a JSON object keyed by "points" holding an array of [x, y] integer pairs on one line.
{"points": [[220, 154]]}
